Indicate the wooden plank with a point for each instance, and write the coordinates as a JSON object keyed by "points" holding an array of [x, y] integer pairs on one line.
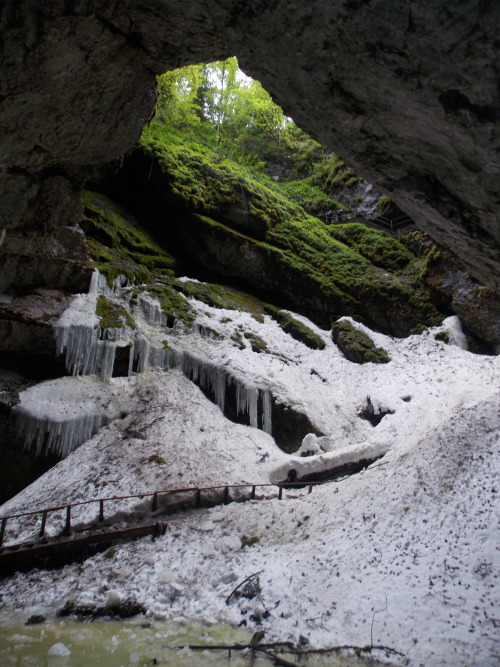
{"points": [[57, 553]]}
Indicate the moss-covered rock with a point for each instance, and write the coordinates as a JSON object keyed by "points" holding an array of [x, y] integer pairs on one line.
{"points": [[112, 316], [244, 229], [296, 329], [119, 245], [356, 345]]}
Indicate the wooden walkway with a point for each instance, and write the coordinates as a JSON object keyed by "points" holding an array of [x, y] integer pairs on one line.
{"points": [[72, 544]]}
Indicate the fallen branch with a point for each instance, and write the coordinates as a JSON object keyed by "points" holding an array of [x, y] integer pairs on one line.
{"points": [[241, 584], [345, 647], [288, 648]]}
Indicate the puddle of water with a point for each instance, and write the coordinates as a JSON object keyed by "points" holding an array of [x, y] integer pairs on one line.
{"points": [[135, 643]]}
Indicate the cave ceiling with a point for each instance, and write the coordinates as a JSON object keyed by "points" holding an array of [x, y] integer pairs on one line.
{"points": [[405, 91]]}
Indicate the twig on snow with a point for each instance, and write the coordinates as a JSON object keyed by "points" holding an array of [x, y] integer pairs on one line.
{"points": [[373, 619], [241, 584]]}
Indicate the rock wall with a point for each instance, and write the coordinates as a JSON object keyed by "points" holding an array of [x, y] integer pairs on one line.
{"points": [[404, 91]]}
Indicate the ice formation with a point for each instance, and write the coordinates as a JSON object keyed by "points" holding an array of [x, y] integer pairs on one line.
{"points": [[90, 350], [152, 311], [453, 327], [60, 415]]}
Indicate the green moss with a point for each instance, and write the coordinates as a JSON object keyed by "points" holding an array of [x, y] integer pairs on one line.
{"points": [[443, 336], [112, 316], [173, 304], [221, 296], [237, 339], [256, 342], [312, 198], [118, 245], [296, 329], [333, 175], [383, 203], [205, 181], [379, 247], [165, 344], [324, 271], [356, 345]]}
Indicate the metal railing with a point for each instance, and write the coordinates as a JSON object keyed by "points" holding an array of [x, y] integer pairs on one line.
{"points": [[154, 503]]}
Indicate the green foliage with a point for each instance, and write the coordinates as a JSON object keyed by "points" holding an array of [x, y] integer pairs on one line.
{"points": [[119, 245], [112, 316], [332, 174], [356, 345], [227, 110], [383, 203], [296, 329]]}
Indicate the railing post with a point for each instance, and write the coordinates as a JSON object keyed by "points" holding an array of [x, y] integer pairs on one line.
{"points": [[280, 494], [101, 510], [252, 497], [2, 530], [42, 527], [67, 527], [310, 488], [198, 497], [154, 504], [226, 495]]}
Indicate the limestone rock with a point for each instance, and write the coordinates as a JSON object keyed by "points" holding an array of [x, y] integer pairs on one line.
{"points": [[356, 345], [406, 93]]}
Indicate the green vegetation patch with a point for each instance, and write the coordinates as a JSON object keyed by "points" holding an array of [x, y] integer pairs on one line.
{"points": [[118, 245], [256, 234], [206, 181], [312, 198], [173, 304], [379, 247], [112, 316], [296, 329], [256, 342], [220, 296], [332, 175], [356, 345]]}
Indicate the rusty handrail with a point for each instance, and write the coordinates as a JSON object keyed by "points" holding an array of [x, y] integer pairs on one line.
{"points": [[154, 494]]}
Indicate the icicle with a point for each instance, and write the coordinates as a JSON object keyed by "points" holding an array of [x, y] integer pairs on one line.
{"points": [[247, 401], [101, 286], [220, 389], [60, 437], [267, 425], [80, 342], [152, 311], [131, 360], [142, 347], [107, 359], [253, 398]]}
